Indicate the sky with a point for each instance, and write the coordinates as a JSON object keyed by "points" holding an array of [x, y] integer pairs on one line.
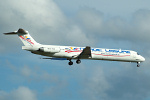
{"points": [[97, 23]]}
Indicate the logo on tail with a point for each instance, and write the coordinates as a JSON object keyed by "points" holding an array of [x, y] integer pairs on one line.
{"points": [[26, 38]]}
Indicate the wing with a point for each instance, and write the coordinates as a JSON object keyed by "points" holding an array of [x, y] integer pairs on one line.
{"points": [[86, 53], [55, 58]]}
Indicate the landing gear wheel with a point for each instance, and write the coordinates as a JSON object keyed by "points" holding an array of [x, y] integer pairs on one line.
{"points": [[78, 61], [138, 64], [70, 63]]}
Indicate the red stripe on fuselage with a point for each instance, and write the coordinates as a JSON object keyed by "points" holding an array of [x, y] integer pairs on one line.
{"points": [[69, 51], [112, 55]]}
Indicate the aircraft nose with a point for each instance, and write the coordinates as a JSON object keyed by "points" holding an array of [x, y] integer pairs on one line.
{"points": [[142, 59]]}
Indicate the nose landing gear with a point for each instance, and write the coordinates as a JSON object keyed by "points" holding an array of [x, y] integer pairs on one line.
{"points": [[70, 63], [138, 64]]}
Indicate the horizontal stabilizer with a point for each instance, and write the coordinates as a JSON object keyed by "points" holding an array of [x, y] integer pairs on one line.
{"points": [[11, 33], [20, 31]]}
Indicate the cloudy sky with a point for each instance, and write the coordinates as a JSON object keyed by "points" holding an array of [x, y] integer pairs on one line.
{"points": [[97, 23]]}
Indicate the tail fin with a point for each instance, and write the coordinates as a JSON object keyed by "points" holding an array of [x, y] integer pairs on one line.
{"points": [[24, 37]]}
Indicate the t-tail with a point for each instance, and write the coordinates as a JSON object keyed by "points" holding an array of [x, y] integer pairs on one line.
{"points": [[24, 37]]}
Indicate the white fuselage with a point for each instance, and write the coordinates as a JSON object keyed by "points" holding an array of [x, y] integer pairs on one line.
{"points": [[71, 52]]}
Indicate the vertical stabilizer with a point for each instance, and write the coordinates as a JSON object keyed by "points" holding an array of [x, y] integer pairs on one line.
{"points": [[24, 37]]}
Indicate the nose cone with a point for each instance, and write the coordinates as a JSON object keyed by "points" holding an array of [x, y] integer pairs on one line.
{"points": [[142, 59]]}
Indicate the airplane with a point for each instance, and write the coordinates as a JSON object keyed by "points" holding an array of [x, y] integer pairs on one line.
{"points": [[56, 52]]}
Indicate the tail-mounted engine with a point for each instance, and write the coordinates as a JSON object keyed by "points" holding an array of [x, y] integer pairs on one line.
{"points": [[50, 50]]}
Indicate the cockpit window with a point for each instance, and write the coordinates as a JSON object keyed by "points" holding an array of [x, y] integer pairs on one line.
{"points": [[137, 53]]}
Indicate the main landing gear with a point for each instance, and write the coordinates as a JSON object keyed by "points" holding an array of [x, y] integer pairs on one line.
{"points": [[138, 64], [78, 61], [71, 63]]}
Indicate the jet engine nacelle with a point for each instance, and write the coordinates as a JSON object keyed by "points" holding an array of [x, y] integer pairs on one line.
{"points": [[50, 50]]}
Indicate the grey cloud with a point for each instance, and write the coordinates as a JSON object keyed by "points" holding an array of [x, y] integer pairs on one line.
{"points": [[21, 93], [141, 21], [91, 19], [116, 83], [43, 19], [33, 16], [129, 84], [96, 85], [117, 28], [53, 85], [26, 73]]}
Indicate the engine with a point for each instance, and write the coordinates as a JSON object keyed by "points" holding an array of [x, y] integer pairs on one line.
{"points": [[50, 50]]}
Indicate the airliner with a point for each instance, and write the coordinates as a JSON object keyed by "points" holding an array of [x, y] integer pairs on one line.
{"points": [[55, 52]]}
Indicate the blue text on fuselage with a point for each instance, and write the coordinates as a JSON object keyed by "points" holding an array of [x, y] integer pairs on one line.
{"points": [[100, 50], [117, 51]]}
